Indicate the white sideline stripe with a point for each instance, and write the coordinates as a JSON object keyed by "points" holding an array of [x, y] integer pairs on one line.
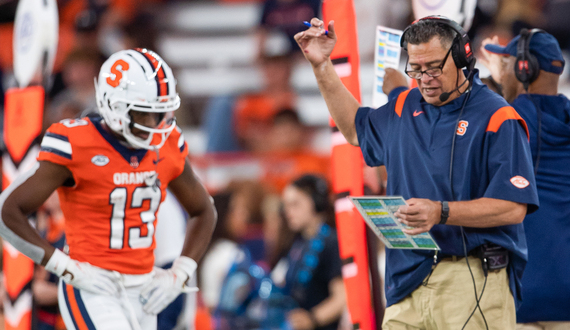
{"points": [[343, 69], [10, 170], [14, 313], [51, 142], [338, 139], [343, 205]]}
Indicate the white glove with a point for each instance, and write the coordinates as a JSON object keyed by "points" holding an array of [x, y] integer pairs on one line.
{"points": [[166, 285], [81, 275]]}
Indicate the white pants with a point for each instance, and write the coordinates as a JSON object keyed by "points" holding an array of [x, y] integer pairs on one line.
{"points": [[85, 310]]}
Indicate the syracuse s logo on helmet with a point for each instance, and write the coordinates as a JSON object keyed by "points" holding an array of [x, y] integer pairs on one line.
{"points": [[118, 74]]}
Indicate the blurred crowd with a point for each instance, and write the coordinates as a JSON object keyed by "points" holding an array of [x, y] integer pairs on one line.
{"points": [[268, 218]]}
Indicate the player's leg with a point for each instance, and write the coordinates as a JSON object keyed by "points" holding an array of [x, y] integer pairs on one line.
{"points": [[85, 310], [134, 305]]}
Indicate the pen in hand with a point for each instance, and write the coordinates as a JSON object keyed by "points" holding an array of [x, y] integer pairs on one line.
{"points": [[307, 24]]}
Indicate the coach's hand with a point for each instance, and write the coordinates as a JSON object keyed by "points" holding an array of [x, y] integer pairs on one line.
{"points": [[166, 285], [422, 214], [81, 275], [315, 44]]}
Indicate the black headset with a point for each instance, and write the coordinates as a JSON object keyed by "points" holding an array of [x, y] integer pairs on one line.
{"points": [[526, 65], [317, 188], [461, 46]]}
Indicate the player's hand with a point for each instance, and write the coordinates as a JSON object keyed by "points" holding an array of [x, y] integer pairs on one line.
{"points": [[315, 45], [422, 214], [393, 79], [493, 62], [81, 275], [167, 284]]}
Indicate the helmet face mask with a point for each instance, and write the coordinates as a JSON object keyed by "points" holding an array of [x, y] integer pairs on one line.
{"points": [[137, 80]]}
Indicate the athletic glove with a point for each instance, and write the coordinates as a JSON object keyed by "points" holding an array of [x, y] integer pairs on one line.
{"points": [[81, 275], [167, 284]]}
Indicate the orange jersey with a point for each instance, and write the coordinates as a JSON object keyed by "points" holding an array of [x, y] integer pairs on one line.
{"points": [[110, 208]]}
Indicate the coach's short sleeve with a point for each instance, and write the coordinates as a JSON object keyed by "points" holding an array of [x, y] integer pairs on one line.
{"points": [[510, 164]]}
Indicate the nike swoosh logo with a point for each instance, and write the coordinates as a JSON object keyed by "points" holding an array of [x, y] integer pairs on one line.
{"points": [[417, 113], [156, 161]]}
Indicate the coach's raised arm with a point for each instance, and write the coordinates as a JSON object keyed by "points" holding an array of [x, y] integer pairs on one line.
{"points": [[317, 48]]}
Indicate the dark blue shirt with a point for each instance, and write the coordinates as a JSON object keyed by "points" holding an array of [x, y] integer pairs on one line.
{"points": [[546, 280], [492, 159]]}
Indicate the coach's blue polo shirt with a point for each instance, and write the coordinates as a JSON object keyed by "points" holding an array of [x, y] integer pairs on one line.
{"points": [[492, 159], [546, 280]]}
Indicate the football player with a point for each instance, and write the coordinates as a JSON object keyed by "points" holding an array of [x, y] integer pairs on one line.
{"points": [[111, 173]]}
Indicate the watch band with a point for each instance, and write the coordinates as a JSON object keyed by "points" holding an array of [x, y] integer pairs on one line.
{"points": [[444, 213]]}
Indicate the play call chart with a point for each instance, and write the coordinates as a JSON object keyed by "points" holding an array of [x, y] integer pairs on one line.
{"points": [[378, 213]]}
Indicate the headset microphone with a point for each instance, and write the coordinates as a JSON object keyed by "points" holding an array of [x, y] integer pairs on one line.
{"points": [[445, 95]]}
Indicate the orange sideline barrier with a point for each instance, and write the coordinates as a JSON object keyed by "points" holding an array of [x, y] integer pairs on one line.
{"points": [[347, 171], [23, 115]]}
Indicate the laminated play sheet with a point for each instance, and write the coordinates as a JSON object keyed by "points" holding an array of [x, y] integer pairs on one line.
{"points": [[378, 213]]}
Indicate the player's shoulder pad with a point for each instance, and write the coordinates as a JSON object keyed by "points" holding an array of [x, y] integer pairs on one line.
{"points": [[60, 136], [503, 114]]}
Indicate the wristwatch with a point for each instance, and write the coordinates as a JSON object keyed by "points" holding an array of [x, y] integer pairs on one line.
{"points": [[444, 213]]}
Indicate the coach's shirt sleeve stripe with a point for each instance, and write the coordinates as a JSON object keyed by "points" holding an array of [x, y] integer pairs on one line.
{"points": [[503, 114], [400, 102]]}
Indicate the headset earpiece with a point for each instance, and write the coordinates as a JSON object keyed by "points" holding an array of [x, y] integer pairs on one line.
{"points": [[317, 188], [461, 46], [526, 64], [321, 195]]}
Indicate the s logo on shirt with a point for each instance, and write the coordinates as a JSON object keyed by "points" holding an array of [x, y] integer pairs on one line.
{"points": [[462, 127]]}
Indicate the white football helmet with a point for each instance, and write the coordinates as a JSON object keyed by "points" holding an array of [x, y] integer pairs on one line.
{"points": [[138, 80]]}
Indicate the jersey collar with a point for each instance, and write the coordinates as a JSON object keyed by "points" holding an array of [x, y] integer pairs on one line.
{"points": [[126, 152]]}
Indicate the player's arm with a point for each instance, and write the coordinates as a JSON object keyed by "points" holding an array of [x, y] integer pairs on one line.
{"points": [[197, 202], [26, 195], [23, 197], [317, 48], [168, 284]]}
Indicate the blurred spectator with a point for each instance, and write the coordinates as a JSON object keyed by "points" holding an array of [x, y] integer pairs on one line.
{"points": [[78, 97], [557, 22], [288, 152], [254, 111], [241, 123], [286, 17], [312, 268], [239, 227]]}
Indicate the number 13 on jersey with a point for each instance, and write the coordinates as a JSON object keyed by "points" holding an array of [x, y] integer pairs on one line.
{"points": [[118, 198]]}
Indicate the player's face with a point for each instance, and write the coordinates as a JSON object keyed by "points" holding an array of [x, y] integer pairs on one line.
{"points": [[299, 208], [147, 119], [431, 55]]}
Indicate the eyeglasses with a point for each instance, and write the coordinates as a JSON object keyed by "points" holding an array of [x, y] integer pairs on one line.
{"points": [[431, 72]]}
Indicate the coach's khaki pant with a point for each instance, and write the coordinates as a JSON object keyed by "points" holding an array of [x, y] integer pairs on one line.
{"points": [[449, 298]]}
